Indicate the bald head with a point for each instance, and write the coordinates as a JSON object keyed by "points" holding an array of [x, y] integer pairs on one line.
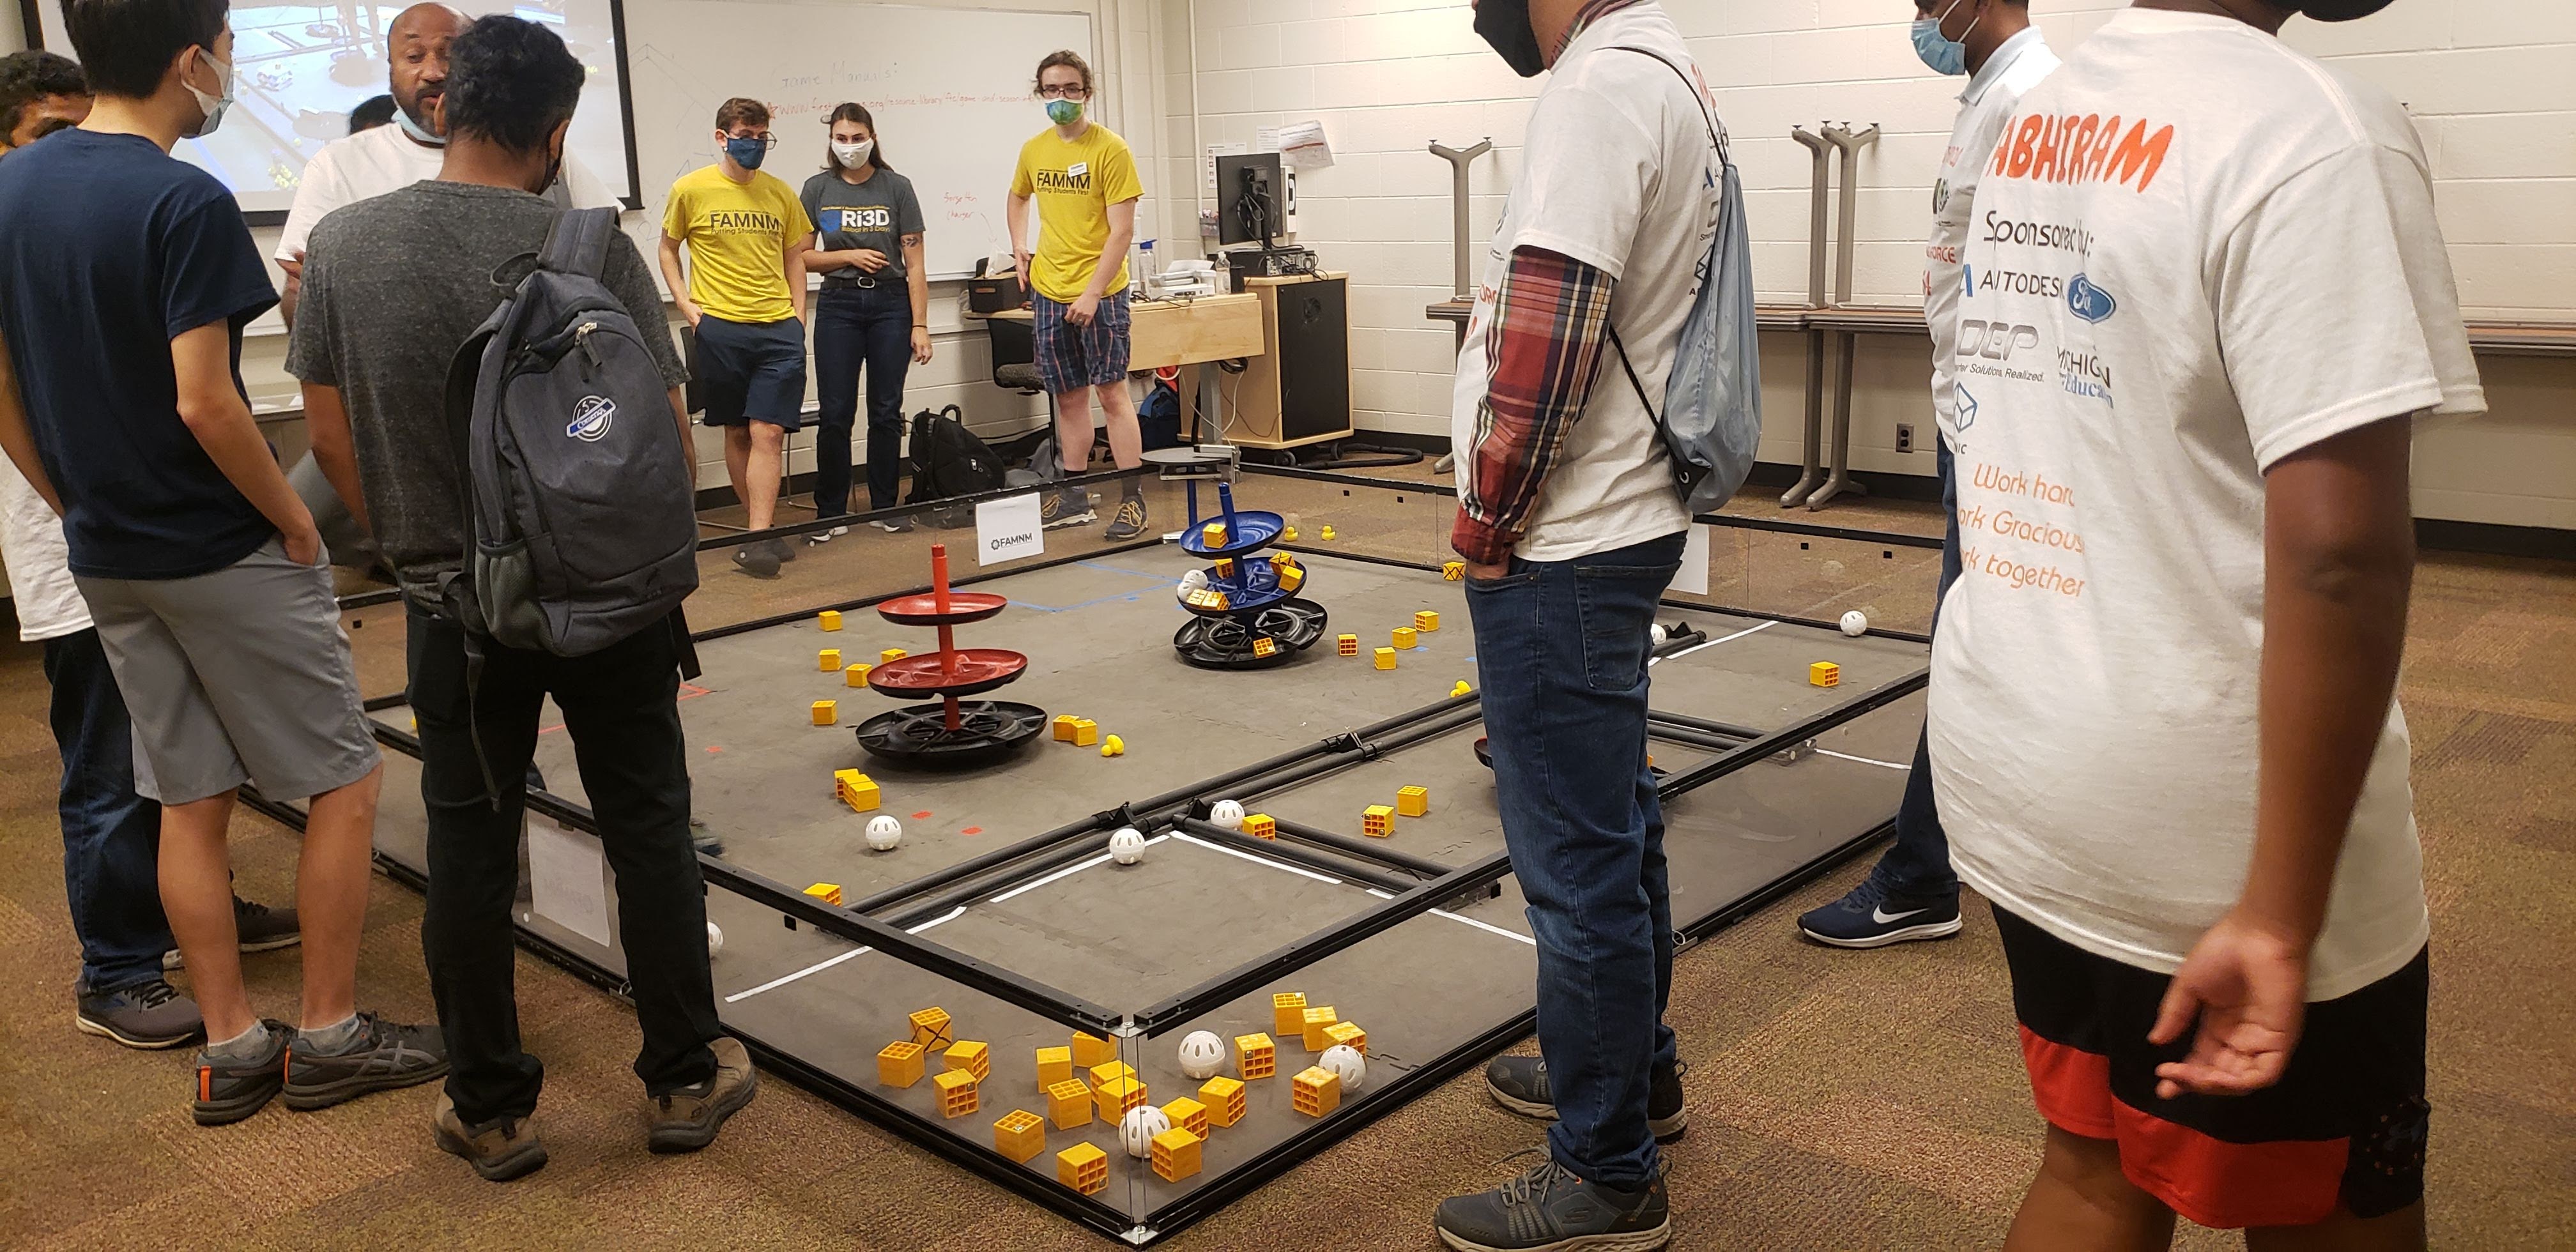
{"points": [[417, 46]]}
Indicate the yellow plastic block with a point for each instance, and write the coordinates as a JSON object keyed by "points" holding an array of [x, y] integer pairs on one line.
{"points": [[1224, 1100], [930, 1028], [1426, 620], [856, 673], [1064, 727], [1825, 674], [1377, 821], [1225, 567], [1084, 1168], [1175, 1154], [830, 660], [957, 1096], [1055, 1065], [1462, 689], [1068, 1104], [827, 892], [827, 712], [856, 790], [1406, 637], [891, 655], [1089, 1051], [970, 1056], [1348, 1033], [1412, 801], [1315, 1092], [1020, 1135], [899, 1064], [1318, 1020], [1086, 733], [829, 619], [1113, 746], [1261, 825], [1347, 645], [1255, 1056], [1291, 578], [1386, 658], [1188, 1114], [1287, 1013], [1213, 534], [1265, 646], [1454, 571], [1283, 561], [1102, 1075], [1122, 1094]]}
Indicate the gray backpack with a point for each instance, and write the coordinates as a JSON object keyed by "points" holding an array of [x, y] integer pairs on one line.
{"points": [[580, 496], [1711, 421]]}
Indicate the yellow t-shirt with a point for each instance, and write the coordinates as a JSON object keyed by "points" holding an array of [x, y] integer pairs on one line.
{"points": [[737, 235], [1075, 183]]}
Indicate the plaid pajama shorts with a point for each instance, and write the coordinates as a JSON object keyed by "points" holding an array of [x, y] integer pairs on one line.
{"points": [[1070, 357]]}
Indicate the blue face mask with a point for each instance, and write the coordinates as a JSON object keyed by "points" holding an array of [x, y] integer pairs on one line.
{"points": [[747, 153], [1944, 56]]}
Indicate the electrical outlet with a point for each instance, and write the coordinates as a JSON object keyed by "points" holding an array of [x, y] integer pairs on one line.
{"points": [[1904, 437]]}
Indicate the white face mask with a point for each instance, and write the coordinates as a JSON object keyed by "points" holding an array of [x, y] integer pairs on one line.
{"points": [[853, 155], [215, 105]]}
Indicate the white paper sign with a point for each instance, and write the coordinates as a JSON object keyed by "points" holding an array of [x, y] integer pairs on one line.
{"points": [[1008, 529], [1304, 146], [564, 882], [1265, 139], [1693, 577]]}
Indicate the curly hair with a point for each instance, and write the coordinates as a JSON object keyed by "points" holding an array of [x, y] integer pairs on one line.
{"points": [[28, 77], [511, 81]]}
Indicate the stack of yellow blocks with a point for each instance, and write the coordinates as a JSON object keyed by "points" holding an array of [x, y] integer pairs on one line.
{"points": [[855, 789]]}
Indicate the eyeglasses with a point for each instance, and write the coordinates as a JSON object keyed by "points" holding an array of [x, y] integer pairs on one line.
{"points": [[767, 140], [1064, 93]]}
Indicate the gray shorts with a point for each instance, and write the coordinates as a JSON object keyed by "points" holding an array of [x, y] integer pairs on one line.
{"points": [[241, 675]]}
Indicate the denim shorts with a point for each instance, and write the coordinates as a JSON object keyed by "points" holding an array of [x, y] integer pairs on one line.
{"points": [[1071, 357], [751, 371]]}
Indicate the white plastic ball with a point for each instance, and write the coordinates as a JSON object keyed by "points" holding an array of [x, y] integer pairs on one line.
{"points": [[884, 833], [1202, 1053], [1194, 580], [715, 940], [1855, 623], [1136, 1131], [1347, 1064], [1657, 634], [1226, 813], [1127, 846]]}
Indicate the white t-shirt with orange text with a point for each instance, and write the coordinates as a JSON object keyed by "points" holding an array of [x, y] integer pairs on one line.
{"points": [[2199, 253]]}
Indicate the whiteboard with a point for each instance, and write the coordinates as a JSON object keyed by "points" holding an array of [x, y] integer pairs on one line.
{"points": [[949, 88]]}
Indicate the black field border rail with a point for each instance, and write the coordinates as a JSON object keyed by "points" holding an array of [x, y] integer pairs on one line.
{"points": [[1415, 885]]}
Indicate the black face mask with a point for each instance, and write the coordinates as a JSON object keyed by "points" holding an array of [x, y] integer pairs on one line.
{"points": [[1506, 25], [2339, 10]]}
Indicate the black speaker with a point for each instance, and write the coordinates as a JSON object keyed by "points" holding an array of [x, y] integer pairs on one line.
{"points": [[1314, 358]]}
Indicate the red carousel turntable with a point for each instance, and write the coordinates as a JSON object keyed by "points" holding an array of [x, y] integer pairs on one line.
{"points": [[955, 732]]}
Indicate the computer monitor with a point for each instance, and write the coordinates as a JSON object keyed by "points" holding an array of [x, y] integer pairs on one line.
{"points": [[1251, 199]]}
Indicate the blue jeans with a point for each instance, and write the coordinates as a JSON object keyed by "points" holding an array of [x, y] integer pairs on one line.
{"points": [[111, 836], [857, 327], [1561, 653], [1918, 863]]}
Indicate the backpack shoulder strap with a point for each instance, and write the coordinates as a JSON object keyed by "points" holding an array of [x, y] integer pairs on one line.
{"points": [[578, 242], [1715, 136]]}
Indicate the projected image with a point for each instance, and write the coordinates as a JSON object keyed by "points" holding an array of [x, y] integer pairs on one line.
{"points": [[299, 69]]}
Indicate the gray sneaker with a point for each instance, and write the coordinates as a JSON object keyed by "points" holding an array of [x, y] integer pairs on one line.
{"points": [[146, 1015], [1519, 1083], [259, 929], [688, 1119], [1069, 507], [756, 560], [1128, 522], [385, 1056], [499, 1150], [228, 1090], [1548, 1209]]}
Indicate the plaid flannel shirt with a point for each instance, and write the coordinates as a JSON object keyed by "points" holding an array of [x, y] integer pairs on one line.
{"points": [[1542, 353]]}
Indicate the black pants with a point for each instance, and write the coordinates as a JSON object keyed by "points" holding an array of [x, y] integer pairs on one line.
{"points": [[620, 705], [855, 327]]}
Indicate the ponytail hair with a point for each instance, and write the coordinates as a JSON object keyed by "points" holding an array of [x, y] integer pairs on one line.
{"points": [[853, 111]]}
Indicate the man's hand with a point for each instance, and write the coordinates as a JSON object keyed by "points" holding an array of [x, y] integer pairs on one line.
{"points": [[921, 345], [1482, 572], [869, 260], [688, 309], [1083, 308], [303, 545], [2248, 983], [1021, 259]]}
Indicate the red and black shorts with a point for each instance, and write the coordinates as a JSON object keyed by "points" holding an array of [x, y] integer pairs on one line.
{"points": [[2344, 1126]]}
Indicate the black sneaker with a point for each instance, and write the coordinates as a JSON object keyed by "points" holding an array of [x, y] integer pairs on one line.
{"points": [[228, 1091], [756, 560], [386, 1056], [1128, 522], [1873, 917], [1519, 1083], [1069, 507], [257, 927], [783, 550], [1548, 1209], [146, 1015]]}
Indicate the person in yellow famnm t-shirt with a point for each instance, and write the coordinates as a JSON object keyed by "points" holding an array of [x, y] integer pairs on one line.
{"points": [[744, 296], [1084, 181]]}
